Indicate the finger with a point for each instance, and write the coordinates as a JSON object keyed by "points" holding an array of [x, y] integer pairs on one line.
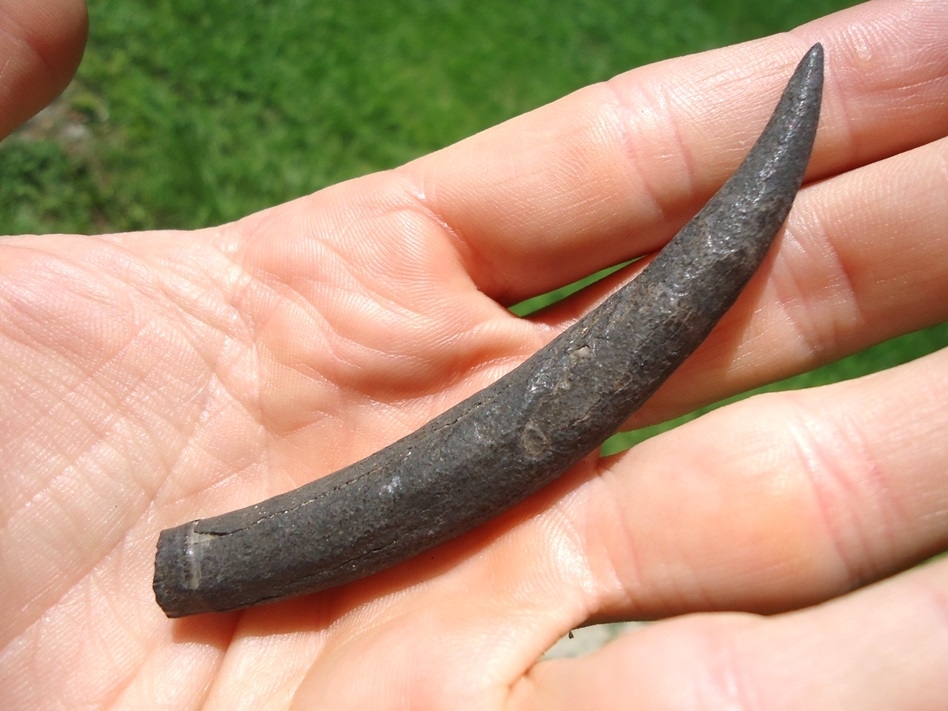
{"points": [[779, 501], [799, 312], [885, 647], [770, 504], [829, 489], [41, 43], [612, 171], [863, 258]]}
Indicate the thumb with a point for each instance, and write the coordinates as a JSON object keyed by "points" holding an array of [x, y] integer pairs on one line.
{"points": [[41, 43]]}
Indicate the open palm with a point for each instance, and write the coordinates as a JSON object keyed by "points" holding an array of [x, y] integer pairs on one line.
{"points": [[152, 378]]}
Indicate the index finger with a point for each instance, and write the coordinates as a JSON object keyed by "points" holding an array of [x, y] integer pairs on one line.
{"points": [[610, 172]]}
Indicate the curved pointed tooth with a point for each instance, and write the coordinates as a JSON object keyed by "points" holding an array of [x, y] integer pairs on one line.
{"points": [[499, 446]]}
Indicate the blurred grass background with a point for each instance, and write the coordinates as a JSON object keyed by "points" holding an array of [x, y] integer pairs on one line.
{"points": [[187, 113]]}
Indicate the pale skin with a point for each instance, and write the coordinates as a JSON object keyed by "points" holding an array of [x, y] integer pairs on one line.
{"points": [[152, 378]]}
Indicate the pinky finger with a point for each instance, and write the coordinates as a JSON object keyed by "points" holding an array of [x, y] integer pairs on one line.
{"points": [[883, 647]]}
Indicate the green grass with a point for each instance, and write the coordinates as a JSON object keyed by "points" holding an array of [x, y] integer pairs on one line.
{"points": [[186, 113], [200, 112]]}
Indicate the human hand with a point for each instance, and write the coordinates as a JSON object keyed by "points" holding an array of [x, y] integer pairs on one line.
{"points": [[153, 378]]}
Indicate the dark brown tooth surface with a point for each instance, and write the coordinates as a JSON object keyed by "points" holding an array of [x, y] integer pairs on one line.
{"points": [[507, 441]]}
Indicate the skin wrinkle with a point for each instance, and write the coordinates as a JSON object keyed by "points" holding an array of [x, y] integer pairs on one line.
{"points": [[730, 672], [625, 564], [565, 529], [788, 300], [274, 356], [870, 83], [30, 303], [67, 474], [96, 643], [415, 364], [852, 264], [823, 471], [361, 278], [133, 336], [326, 251], [907, 213], [916, 86], [861, 36], [192, 318], [586, 183], [817, 327], [150, 434], [33, 609], [842, 281], [350, 352], [850, 474], [873, 486], [16, 500], [628, 548], [843, 285], [68, 456], [192, 441], [471, 260], [474, 264], [273, 363], [930, 402], [627, 124], [196, 324], [685, 173]]}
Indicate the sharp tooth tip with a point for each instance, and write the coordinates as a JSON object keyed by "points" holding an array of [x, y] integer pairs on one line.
{"points": [[815, 54]]}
